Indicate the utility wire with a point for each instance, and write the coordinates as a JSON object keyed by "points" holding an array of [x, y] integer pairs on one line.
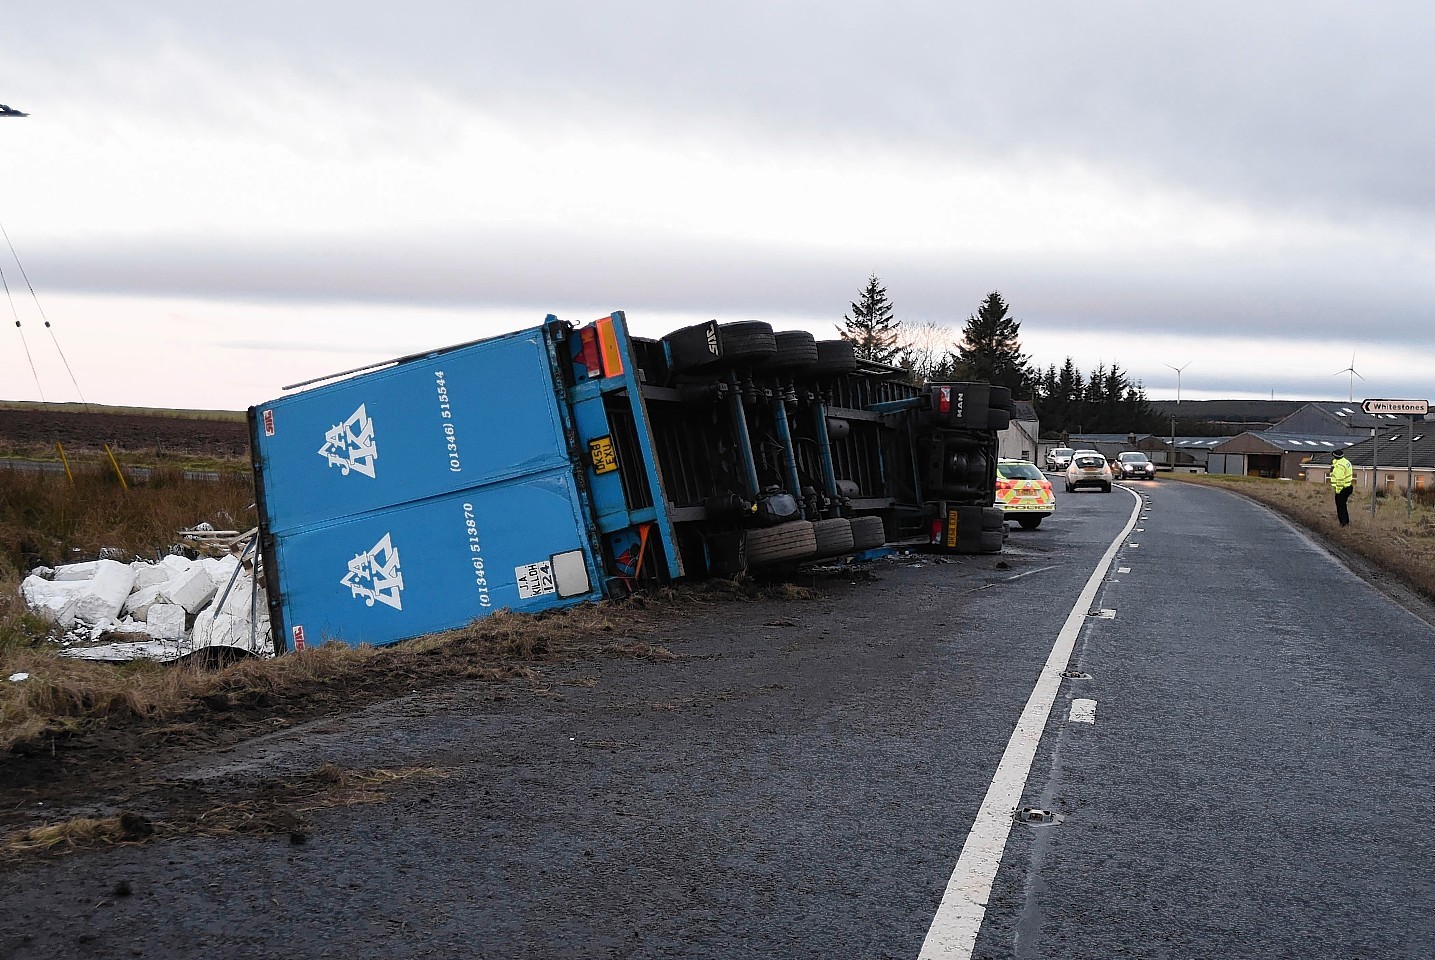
{"points": [[23, 341], [35, 297]]}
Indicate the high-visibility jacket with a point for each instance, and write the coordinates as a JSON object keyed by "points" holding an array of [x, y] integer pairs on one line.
{"points": [[1341, 476]]}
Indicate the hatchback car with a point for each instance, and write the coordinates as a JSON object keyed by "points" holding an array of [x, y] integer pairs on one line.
{"points": [[1024, 493], [1088, 469], [1058, 458], [1134, 466]]}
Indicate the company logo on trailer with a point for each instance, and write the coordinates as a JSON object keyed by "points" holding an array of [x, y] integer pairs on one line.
{"points": [[350, 445], [375, 575]]}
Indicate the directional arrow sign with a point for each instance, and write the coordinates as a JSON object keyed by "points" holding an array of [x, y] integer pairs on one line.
{"points": [[1413, 408]]}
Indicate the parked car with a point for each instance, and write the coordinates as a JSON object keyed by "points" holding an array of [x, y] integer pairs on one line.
{"points": [[1023, 493], [1058, 458], [1133, 465], [1088, 469]]}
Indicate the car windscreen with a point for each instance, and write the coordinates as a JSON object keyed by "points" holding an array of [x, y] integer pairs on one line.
{"points": [[1134, 458], [1061, 452], [1019, 471], [1089, 461]]}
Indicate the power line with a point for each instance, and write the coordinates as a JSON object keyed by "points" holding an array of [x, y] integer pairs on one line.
{"points": [[33, 372], [41, 310]]}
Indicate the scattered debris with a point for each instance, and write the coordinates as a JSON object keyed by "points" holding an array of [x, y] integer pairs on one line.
{"points": [[158, 611]]}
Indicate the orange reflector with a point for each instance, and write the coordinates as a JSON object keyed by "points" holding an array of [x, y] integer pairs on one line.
{"points": [[608, 346]]}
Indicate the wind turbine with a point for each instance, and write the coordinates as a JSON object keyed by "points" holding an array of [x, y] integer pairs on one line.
{"points": [[1350, 398]]}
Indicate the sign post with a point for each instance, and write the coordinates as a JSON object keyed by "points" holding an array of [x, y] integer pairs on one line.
{"points": [[1410, 409]]}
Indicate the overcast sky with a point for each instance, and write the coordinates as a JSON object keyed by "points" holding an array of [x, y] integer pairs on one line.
{"points": [[214, 201]]}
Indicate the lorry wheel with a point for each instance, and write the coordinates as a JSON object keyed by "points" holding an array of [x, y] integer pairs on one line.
{"points": [[692, 348], [999, 398], [834, 537], [868, 533], [998, 419], [835, 356], [748, 340], [992, 541], [1029, 523], [993, 518], [786, 541], [795, 348]]}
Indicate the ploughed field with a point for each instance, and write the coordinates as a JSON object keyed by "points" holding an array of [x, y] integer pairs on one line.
{"points": [[34, 431]]}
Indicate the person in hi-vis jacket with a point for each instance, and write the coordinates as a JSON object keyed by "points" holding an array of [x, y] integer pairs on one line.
{"points": [[1342, 479]]}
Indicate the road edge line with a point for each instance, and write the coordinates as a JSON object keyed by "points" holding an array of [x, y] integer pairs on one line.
{"points": [[953, 932]]}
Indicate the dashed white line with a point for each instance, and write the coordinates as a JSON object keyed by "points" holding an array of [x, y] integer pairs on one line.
{"points": [[1083, 711], [953, 932]]}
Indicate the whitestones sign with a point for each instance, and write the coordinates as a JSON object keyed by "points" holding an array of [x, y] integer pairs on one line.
{"points": [[1410, 408]]}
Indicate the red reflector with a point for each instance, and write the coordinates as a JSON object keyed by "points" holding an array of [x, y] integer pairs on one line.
{"points": [[936, 531], [944, 399]]}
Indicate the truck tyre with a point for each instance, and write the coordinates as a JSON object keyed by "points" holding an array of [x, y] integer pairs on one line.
{"points": [[750, 340], [692, 348], [834, 537], [998, 419], [1029, 522], [868, 533], [993, 518], [835, 356], [795, 348], [786, 541], [992, 541], [999, 398]]}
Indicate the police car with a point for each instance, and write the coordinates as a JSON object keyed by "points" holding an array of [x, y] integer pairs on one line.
{"points": [[1024, 493]]}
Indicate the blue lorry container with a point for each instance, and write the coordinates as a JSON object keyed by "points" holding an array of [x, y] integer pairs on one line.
{"points": [[419, 496], [559, 464]]}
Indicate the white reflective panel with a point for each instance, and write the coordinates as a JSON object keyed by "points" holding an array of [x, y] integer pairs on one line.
{"points": [[570, 573]]}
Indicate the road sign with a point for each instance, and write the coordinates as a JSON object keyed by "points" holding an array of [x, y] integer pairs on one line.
{"points": [[1412, 408]]}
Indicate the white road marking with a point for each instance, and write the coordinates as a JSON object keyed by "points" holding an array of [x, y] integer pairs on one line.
{"points": [[953, 932], [1133, 545], [1083, 711], [1123, 569], [1105, 613]]}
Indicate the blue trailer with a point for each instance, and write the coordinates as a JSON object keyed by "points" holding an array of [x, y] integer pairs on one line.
{"points": [[560, 464]]}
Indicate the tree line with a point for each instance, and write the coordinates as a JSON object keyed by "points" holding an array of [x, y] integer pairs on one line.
{"points": [[1103, 400]]}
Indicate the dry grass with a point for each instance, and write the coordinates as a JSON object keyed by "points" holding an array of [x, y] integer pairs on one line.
{"points": [[1401, 545], [63, 696], [47, 520]]}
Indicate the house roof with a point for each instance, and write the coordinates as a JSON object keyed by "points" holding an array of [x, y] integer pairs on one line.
{"points": [[1270, 440], [1394, 445], [1023, 410], [1347, 415]]}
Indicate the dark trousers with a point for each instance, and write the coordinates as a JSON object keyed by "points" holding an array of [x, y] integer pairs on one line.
{"points": [[1341, 498]]}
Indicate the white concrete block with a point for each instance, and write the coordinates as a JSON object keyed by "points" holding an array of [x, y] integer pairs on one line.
{"points": [[51, 598], [105, 593], [238, 602], [176, 563], [47, 573], [191, 590], [151, 574], [166, 621], [212, 628], [77, 571], [138, 603], [220, 569]]}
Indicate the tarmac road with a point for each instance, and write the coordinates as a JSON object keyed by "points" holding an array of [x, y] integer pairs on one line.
{"points": [[801, 781]]}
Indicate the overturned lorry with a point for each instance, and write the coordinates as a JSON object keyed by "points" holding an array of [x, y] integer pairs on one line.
{"points": [[559, 464]]}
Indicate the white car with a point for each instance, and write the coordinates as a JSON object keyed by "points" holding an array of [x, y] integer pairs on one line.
{"points": [[1059, 458], [1088, 469]]}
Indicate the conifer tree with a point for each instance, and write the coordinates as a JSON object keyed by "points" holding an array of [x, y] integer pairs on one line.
{"points": [[990, 348], [874, 334]]}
